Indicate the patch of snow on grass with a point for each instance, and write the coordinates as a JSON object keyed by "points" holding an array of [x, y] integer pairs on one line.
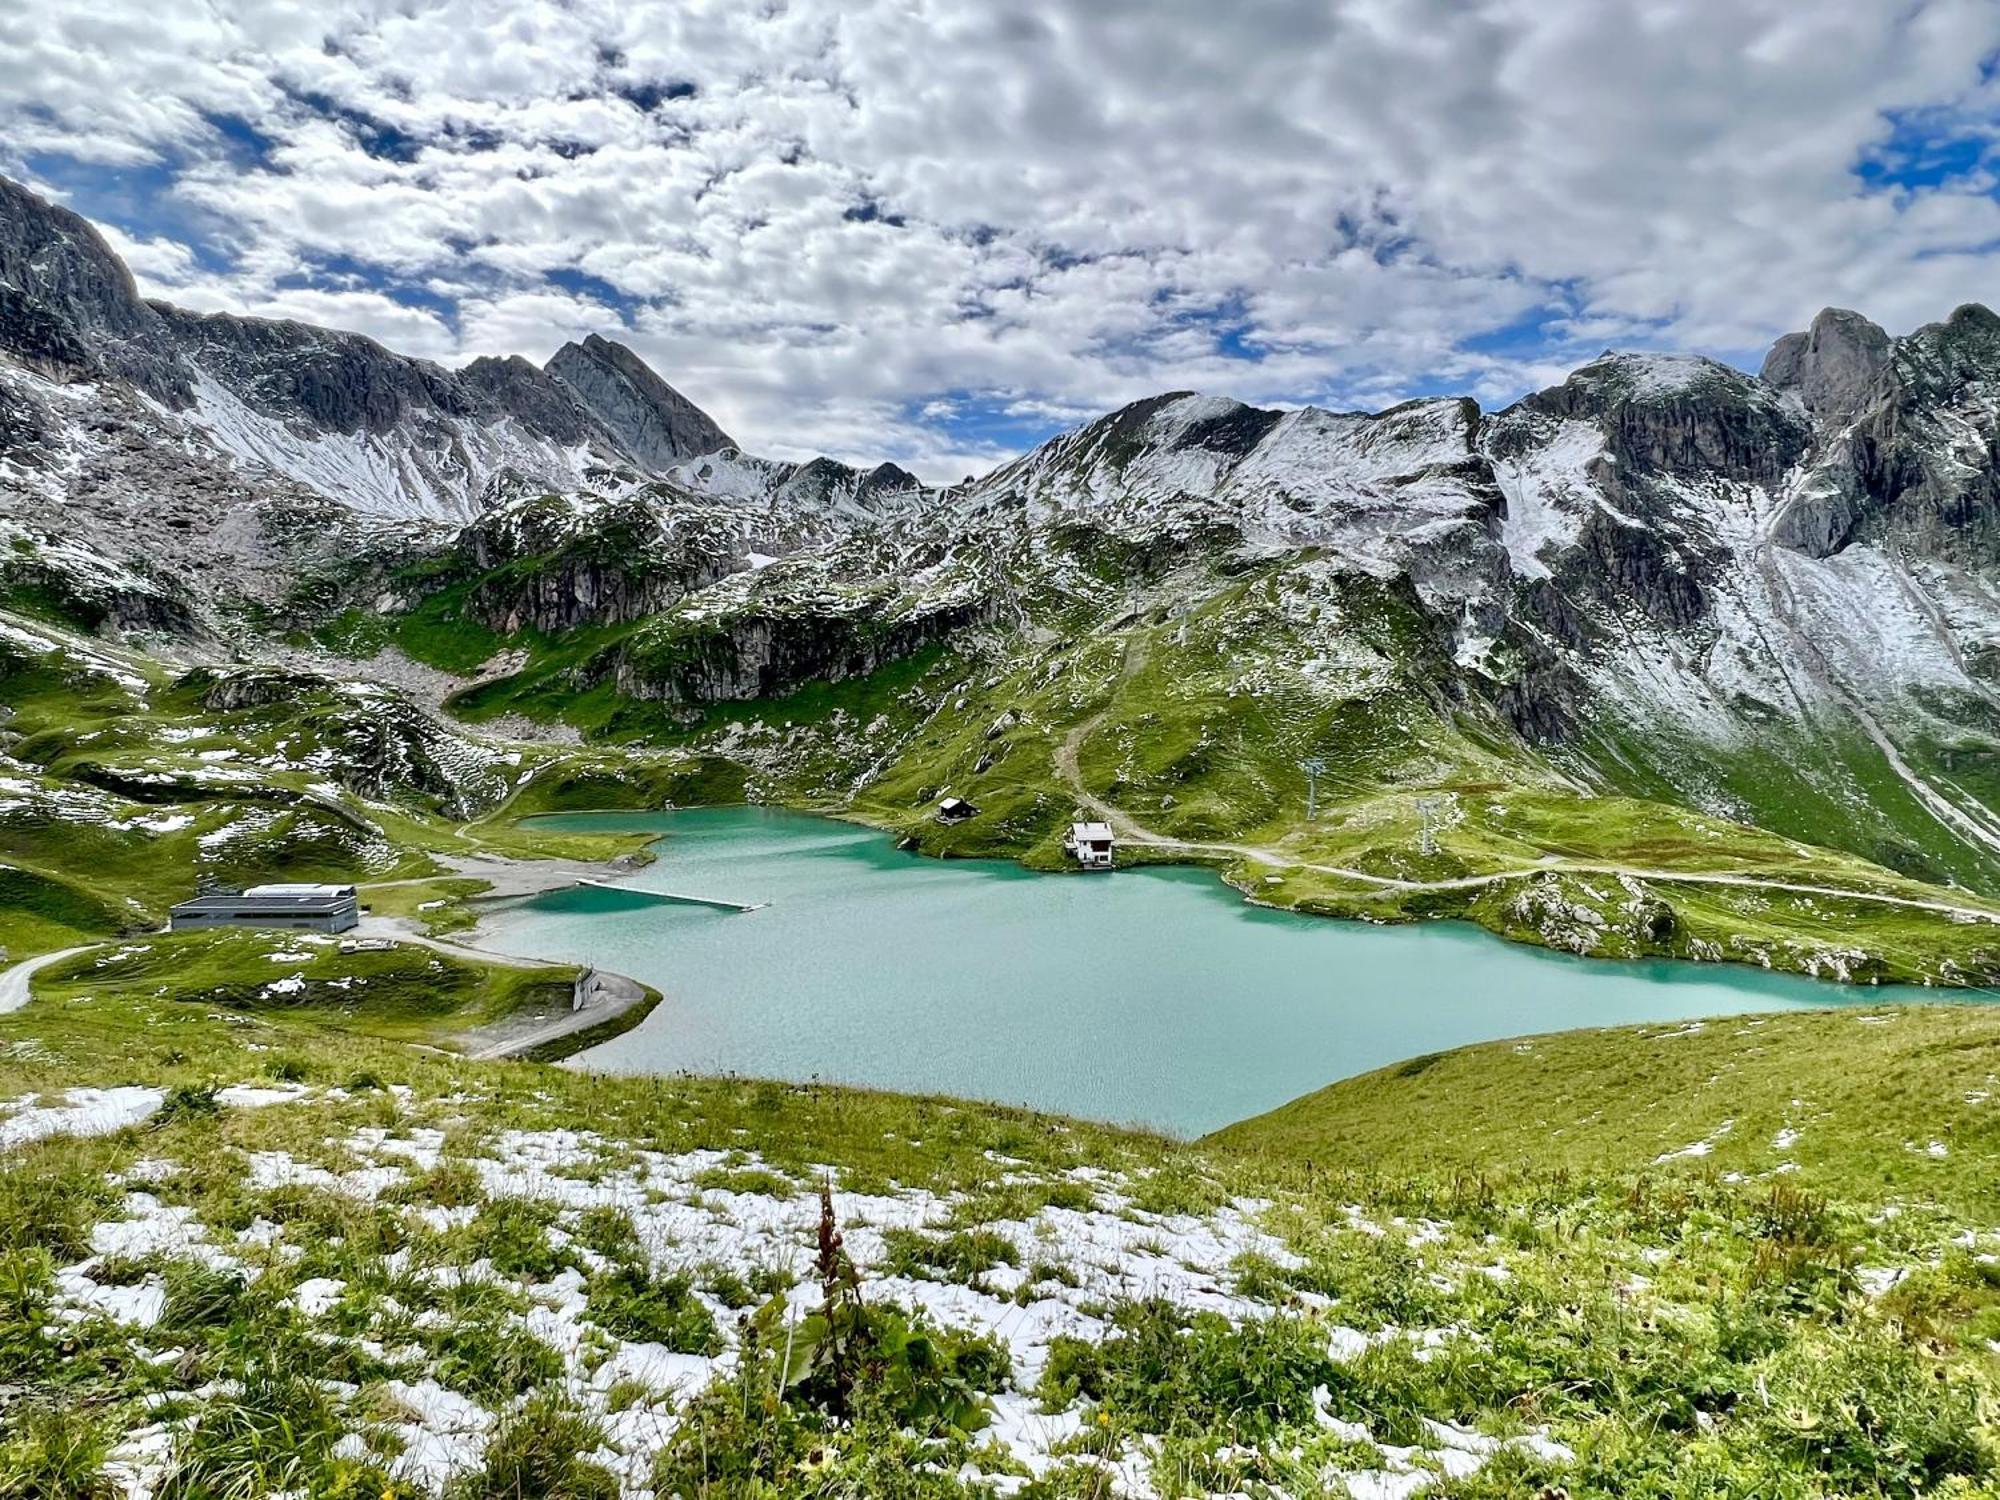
{"points": [[1701, 1147], [257, 1096], [1879, 1281], [85, 1111]]}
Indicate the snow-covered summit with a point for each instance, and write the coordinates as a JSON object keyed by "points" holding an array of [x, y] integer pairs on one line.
{"points": [[335, 412]]}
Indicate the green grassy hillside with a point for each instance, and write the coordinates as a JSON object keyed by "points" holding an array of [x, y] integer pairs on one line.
{"points": [[1189, 714], [272, 1253], [126, 782], [1897, 1100], [402, 992], [1194, 723]]}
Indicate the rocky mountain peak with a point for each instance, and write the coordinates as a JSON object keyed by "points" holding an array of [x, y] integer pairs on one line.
{"points": [[69, 305], [335, 411], [1667, 414], [1834, 367], [1644, 377], [526, 392], [885, 477], [1941, 359], [651, 420], [1215, 423]]}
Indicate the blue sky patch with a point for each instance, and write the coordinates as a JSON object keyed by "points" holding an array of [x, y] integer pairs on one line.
{"points": [[583, 284]]}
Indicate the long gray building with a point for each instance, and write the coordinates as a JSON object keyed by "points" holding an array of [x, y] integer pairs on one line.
{"points": [[304, 908]]}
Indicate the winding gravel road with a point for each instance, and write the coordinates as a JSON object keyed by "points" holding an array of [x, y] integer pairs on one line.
{"points": [[1066, 757], [14, 982]]}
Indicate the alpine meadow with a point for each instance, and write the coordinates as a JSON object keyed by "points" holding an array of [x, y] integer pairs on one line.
{"points": [[685, 690]]}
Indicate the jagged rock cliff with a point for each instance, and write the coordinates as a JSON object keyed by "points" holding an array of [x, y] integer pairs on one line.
{"points": [[551, 565], [1835, 367], [771, 648], [334, 412], [68, 306], [370, 741], [651, 422]]}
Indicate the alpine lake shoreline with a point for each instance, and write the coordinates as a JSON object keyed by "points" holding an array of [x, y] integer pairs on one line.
{"points": [[871, 957], [251, 1245]]}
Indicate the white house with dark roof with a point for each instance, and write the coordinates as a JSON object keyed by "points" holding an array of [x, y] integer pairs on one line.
{"points": [[1089, 844]]}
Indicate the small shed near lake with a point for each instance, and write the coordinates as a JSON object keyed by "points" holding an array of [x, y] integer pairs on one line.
{"points": [[1089, 844]]}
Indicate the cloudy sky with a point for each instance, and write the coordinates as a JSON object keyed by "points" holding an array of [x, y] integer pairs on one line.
{"points": [[938, 230]]}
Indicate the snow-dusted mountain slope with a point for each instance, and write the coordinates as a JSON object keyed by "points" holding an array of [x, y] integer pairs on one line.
{"points": [[1667, 574], [1382, 490], [1675, 530], [1730, 589], [203, 405], [335, 412]]}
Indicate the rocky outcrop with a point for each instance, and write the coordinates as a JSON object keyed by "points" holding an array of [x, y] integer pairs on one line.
{"points": [[324, 379], [518, 388], [374, 743], [551, 565], [573, 589], [769, 653], [1678, 416], [1174, 423], [649, 420], [1835, 367], [1929, 454], [826, 482], [102, 604], [69, 307], [1915, 461], [1672, 441], [253, 687], [888, 479]]}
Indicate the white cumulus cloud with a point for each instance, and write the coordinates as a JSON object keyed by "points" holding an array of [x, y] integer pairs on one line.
{"points": [[920, 228]]}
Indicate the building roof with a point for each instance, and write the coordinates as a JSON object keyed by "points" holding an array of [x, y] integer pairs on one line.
{"points": [[254, 904], [298, 889], [1090, 832]]}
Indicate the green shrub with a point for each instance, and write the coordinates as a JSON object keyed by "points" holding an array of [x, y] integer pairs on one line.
{"points": [[728, 1288], [1871, 1413], [200, 1296], [50, 1452], [1164, 1372], [184, 1102], [513, 1233], [453, 1183], [538, 1454], [272, 1435], [51, 1194], [609, 1232], [746, 1180], [632, 1303], [491, 1358], [958, 1256], [771, 1426]]}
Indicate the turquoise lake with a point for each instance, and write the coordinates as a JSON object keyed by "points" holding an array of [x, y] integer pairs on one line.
{"points": [[1155, 997]]}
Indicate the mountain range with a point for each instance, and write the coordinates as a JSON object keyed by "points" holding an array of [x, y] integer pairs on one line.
{"points": [[1740, 601]]}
